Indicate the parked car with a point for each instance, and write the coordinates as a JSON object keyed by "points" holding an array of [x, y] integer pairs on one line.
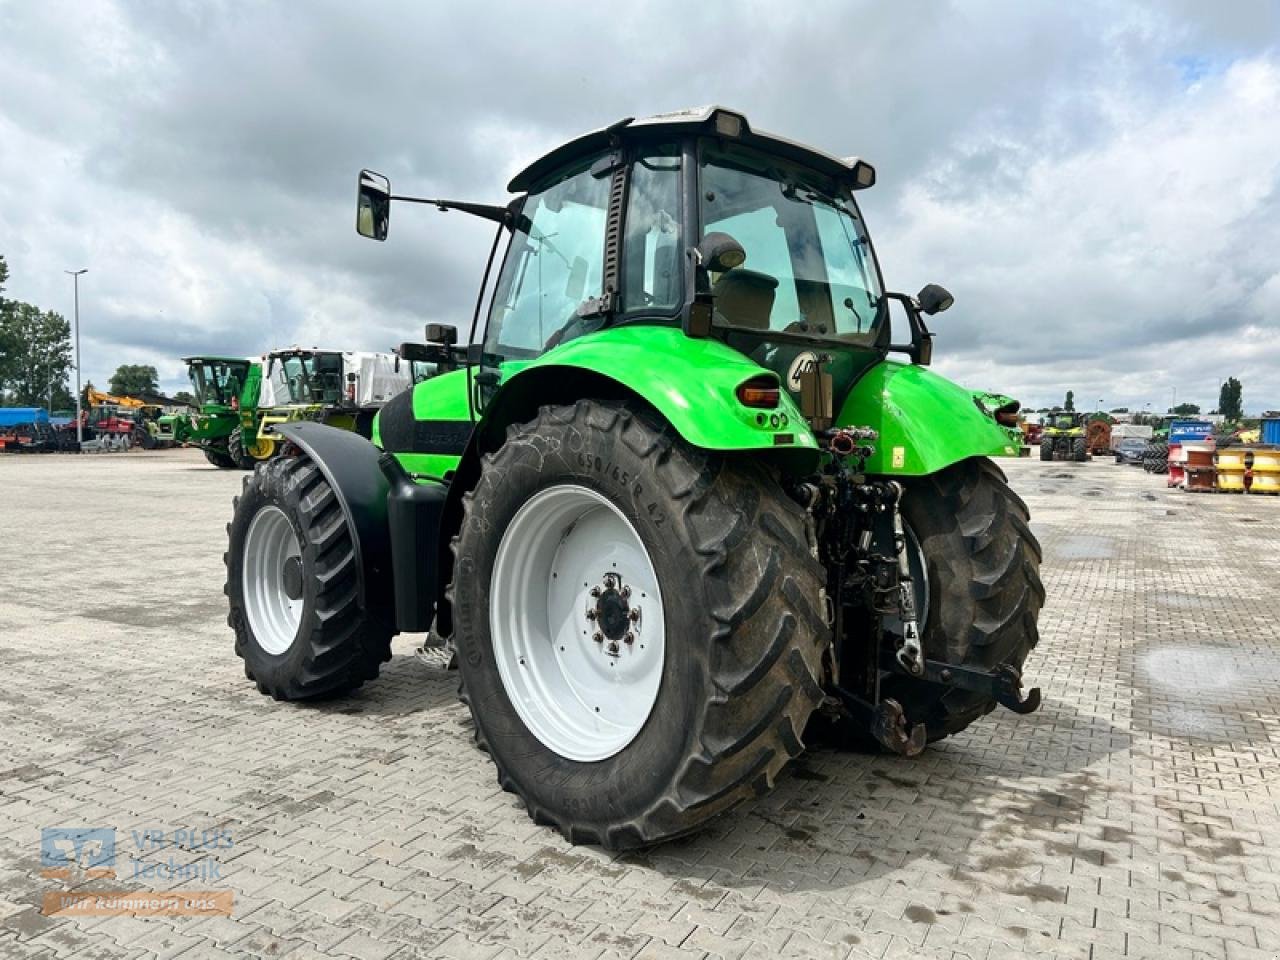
{"points": [[1130, 449]]}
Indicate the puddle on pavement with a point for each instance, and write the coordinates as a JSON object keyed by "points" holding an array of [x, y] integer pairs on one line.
{"points": [[1084, 547], [1207, 693]]}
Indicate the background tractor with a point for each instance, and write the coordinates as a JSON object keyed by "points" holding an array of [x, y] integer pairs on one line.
{"points": [[660, 504], [225, 425], [1062, 436]]}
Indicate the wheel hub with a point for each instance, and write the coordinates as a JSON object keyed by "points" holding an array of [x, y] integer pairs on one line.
{"points": [[616, 619], [291, 573]]}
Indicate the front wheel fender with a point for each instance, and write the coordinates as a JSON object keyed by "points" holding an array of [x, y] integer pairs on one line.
{"points": [[350, 464]]}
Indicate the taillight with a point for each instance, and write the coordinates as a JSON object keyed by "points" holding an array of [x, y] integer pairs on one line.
{"points": [[759, 392]]}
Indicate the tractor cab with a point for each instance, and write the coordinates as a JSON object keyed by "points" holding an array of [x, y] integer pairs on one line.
{"points": [[696, 221], [217, 381], [308, 376]]}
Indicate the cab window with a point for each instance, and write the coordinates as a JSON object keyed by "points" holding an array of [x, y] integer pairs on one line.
{"points": [[555, 263]]}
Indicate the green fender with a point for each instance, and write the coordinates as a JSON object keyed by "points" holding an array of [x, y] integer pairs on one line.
{"points": [[691, 382], [926, 423]]}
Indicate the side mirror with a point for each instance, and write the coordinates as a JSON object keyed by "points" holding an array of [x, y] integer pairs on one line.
{"points": [[373, 205], [719, 252], [934, 299], [442, 333]]}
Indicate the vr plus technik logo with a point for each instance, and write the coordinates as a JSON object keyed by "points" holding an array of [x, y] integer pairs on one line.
{"points": [[88, 850]]}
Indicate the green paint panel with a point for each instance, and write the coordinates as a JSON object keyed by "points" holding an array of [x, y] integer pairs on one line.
{"points": [[925, 422], [690, 381]]}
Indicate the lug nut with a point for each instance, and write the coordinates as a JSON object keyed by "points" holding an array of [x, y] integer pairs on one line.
{"points": [[598, 637], [626, 592], [634, 614], [595, 591], [630, 637], [591, 614]]}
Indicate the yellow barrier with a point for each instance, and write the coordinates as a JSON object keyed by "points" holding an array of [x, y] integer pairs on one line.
{"points": [[1266, 461], [1265, 483]]}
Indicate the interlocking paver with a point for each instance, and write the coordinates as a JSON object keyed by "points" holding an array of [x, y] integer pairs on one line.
{"points": [[1137, 814]]}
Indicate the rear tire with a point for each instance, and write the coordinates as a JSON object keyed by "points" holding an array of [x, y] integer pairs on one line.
{"points": [[740, 596], [982, 567], [1046, 448], [319, 642], [1079, 450]]}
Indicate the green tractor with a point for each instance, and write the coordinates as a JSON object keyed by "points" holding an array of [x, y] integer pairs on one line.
{"points": [[673, 501], [1063, 436], [225, 426]]}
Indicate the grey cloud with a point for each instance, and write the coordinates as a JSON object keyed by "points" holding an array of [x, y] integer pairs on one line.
{"points": [[201, 157]]}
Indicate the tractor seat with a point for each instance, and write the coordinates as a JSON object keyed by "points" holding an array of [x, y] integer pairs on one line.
{"points": [[744, 298]]}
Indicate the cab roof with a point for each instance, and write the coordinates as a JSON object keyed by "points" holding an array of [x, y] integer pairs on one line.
{"points": [[715, 121], [214, 358]]}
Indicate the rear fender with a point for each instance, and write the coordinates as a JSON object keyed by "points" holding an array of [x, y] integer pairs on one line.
{"points": [[350, 464], [925, 422]]}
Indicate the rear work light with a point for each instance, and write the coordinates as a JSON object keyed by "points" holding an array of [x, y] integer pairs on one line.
{"points": [[759, 392]]}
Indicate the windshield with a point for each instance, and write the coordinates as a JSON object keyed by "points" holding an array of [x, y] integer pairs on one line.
{"points": [[809, 268], [218, 382], [313, 377]]}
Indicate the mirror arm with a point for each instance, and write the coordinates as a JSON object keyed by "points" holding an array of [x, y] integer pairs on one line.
{"points": [[921, 347], [487, 211]]}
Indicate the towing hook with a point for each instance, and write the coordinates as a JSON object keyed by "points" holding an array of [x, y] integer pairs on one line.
{"points": [[1009, 692], [889, 727]]}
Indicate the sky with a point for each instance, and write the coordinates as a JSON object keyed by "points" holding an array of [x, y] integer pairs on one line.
{"points": [[1097, 183]]}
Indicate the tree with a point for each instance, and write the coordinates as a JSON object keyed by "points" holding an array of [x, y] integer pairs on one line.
{"points": [[134, 380], [1230, 400], [1185, 410], [7, 344], [184, 396], [1070, 405], [1119, 409], [37, 356]]}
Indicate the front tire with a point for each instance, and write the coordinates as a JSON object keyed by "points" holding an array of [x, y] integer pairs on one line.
{"points": [[982, 570], [1046, 448], [292, 587], [736, 622], [1079, 450]]}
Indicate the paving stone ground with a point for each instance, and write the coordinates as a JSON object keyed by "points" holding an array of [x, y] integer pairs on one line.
{"points": [[1137, 814]]}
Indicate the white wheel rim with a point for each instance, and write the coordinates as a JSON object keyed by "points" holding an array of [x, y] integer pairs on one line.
{"points": [[579, 684], [273, 615]]}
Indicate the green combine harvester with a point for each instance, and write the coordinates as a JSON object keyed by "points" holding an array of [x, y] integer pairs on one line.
{"points": [[669, 502], [1063, 436], [225, 427]]}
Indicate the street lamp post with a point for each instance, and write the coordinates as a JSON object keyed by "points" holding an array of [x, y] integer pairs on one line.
{"points": [[75, 280]]}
